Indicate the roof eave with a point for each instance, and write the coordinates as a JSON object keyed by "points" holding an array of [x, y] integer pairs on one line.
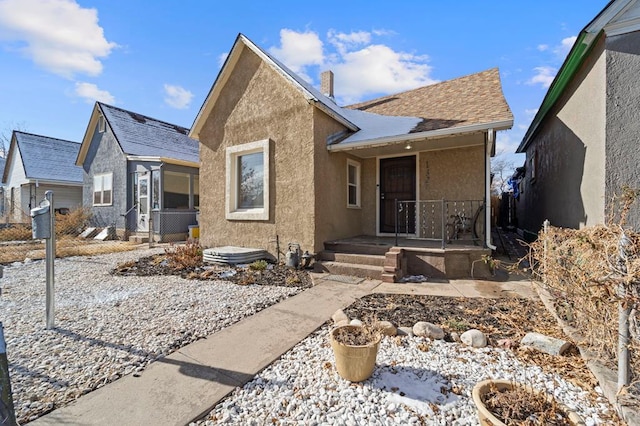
{"points": [[45, 181], [167, 160], [576, 57], [431, 134], [86, 139]]}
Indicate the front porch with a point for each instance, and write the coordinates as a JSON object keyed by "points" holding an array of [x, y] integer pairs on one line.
{"points": [[392, 258]]}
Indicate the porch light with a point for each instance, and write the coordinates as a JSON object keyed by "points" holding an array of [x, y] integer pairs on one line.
{"points": [[408, 145]]}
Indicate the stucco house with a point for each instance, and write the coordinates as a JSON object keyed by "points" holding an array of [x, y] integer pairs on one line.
{"points": [[137, 170], [36, 164], [582, 146], [285, 165]]}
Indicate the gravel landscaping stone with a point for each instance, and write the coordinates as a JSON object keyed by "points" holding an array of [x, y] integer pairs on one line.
{"points": [[106, 325], [417, 381]]}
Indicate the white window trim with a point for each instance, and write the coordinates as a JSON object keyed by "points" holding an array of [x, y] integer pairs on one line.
{"points": [[231, 187], [102, 125], [357, 183], [102, 176]]}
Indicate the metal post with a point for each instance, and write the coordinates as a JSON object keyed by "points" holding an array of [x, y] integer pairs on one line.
{"points": [[151, 230], [444, 225], [624, 310], [50, 257], [397, 206], [7, 411]]}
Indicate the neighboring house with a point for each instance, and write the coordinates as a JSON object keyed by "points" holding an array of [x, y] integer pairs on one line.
{"points": [[36, 164], [138, 169], [582, 146], [284, 162]]}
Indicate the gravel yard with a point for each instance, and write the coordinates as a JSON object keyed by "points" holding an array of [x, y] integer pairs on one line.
{"points": [[107, 325]]}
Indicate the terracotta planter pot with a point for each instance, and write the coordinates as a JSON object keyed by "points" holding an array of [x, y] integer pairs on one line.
{"points": [[488, 419], [354, 363]]}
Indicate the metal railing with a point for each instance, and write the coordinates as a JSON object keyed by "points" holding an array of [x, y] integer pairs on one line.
{"points": [[172, 225], [441, 220]]}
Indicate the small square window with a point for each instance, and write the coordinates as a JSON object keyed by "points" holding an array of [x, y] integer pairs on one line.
{"points": [[247, 189], [353, 184], [101, 124]]}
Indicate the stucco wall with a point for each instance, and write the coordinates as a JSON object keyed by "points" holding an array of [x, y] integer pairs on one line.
{"points": [[453, 174], [623, 118], [333, 218], [567, 154], [105, 156], [257, 103]]}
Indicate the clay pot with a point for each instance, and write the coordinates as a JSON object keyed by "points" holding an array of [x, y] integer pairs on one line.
{"points": [[354, 363], [488, 419]]}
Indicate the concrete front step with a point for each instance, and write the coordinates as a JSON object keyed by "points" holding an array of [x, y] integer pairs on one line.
{"points": [[356, 247], [138, 239], [355, 258], [356, 270]]}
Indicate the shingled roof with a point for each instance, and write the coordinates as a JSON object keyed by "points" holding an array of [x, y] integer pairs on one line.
{"points": [[472, 99], [144, 136], [46, 158]]}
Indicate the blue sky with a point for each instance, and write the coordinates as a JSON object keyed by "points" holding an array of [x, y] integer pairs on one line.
{"points": [[160, 58]]}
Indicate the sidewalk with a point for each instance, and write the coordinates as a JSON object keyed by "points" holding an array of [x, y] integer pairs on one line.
{"points": [[188, 383]]}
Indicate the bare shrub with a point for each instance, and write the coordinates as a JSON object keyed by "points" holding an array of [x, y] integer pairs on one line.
{"points": [[73, 223], [585, 270], [185, 256]]}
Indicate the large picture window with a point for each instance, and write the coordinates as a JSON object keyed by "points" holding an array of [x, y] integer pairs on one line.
{"points": [[353, 184], [247, 189], [103, 189]]}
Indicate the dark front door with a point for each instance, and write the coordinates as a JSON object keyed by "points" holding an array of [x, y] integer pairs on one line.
{"points": [[397, 182]]}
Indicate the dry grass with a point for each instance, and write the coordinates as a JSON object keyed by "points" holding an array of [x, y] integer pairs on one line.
{"points": [[355, 335], [584, 270], [185, 256], [519, 405], [65, 247]]}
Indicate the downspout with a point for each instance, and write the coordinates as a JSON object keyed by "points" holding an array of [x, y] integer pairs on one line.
{"points": [[489, 140]]}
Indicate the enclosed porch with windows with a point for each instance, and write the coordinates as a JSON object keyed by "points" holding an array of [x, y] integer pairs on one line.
{"points": [[164, 201]]}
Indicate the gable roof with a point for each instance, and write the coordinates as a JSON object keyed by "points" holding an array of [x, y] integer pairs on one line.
{"points": [[310, 93], [613, 20], [45, 158], [413, 114], [142, 136]]}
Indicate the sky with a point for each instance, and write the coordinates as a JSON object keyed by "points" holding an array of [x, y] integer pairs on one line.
{"points": [[160, 58]]}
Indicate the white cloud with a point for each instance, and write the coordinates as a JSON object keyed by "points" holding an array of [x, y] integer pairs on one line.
{"points": [[361, 67], [565, 46], [177, 97], [543, 47], [58, 35], [530, 113], [299, 50], [91, 93], [378, 69], [544, 76], [344, 41]]}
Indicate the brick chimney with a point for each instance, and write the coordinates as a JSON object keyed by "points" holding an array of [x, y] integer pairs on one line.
{"points": [[326, 83]]}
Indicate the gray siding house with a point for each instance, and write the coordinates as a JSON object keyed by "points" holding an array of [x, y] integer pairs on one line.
{"points": [[34, 165], [582, 146], [139, 171]]}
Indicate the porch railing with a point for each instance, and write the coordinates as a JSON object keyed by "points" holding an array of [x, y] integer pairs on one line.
{"points": [[447, 221]]}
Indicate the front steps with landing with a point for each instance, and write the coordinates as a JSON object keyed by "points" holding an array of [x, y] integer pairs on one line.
{"points": [[383, 259], [352, 258]]}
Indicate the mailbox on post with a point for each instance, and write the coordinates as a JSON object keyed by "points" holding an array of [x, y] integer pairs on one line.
{"points": [[41, 221]]}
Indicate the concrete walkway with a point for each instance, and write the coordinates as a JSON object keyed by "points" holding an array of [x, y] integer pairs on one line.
{"points": [[188, 383]]}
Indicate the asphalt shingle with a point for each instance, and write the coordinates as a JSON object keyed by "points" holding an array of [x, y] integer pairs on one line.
{"points": [[144, 136], [49, 158]]}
